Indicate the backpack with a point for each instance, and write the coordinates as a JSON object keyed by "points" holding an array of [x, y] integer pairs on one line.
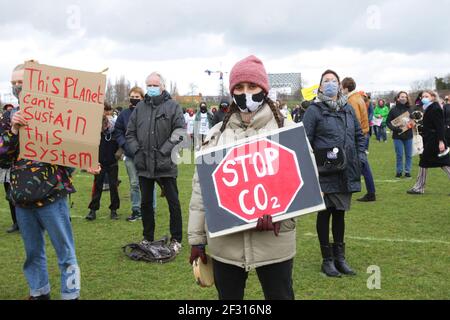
{"points": [[32, 182], [156, 251]]}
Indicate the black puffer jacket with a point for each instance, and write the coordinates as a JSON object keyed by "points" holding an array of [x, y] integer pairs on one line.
{"points": [[154, 129], [327, 129]]}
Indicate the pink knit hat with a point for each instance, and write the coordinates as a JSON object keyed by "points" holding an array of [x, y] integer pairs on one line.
{"points": [[251, 69]]}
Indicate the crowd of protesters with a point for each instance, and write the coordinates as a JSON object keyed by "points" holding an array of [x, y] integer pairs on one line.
{"points": [[144, 136]]}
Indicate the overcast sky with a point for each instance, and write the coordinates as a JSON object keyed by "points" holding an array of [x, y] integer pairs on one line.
{"points": [[384, 45]]}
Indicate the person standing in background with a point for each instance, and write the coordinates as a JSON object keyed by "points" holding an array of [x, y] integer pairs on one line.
{"points": [[332, 127], [155, 128], [5, 169], [380, 113], [403, 141], [435, 153], [359, 106], [203, 122]]}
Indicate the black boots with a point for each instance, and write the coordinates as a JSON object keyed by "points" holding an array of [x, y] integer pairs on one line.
{"points": [[14, 228], [328, 266], [114, 215], [368, 198], [91, 216], [334, 263], [339, 259]]}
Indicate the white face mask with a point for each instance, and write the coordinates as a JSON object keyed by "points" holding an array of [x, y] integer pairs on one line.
{"points": [[249, 102]]}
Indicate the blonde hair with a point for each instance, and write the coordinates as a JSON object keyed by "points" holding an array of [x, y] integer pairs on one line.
{"points": [[137, 90], [434, 94]]}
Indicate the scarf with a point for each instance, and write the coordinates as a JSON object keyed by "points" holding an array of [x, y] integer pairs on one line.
{"points": [[330, 103]]}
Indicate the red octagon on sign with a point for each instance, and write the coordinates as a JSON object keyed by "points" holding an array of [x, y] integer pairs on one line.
{"points": [[257, 178]]}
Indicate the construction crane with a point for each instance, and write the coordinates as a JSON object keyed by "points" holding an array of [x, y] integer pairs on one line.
{"points": [[221, 76]]}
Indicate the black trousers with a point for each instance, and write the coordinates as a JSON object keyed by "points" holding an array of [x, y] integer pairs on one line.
{"points": [[12, 208], [113, 173], [275, 279], [170, 188], [323, 226]]}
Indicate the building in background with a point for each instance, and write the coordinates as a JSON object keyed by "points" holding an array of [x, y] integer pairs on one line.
{"points": [[285, 84]]}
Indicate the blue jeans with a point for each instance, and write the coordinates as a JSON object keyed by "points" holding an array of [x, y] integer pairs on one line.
{"points": [[367, 141], [135, 192], [400, 146], [381, 132], [368, 177], [55, 219]]}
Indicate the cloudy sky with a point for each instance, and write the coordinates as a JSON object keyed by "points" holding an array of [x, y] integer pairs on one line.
{"points": [[384, 45]]}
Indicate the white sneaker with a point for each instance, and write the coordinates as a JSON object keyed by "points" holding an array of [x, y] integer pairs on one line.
{"points": [[175, 246]]}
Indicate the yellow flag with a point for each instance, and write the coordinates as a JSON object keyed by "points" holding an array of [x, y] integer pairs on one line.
{"points": [[310, 93]]}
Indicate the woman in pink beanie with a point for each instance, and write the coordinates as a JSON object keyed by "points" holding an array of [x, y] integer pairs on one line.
{"points": [[271, 247]]}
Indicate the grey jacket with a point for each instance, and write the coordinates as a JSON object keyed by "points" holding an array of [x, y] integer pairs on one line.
{"points": [[154, 129], [327, 129]]}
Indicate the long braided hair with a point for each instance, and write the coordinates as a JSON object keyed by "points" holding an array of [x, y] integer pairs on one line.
{"points": [[234, 109]]}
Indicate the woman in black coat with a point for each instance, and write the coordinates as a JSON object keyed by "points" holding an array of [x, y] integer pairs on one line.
{"points": [[333, 129], [435, 153]]}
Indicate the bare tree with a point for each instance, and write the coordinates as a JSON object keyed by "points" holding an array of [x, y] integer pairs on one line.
{"points": [[117, 92], [121, 88], [173, 89], [192, 89], [110, 95], [420, 85]]}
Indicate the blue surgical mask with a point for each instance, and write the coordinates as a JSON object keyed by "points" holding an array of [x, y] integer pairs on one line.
{"points": [[330, 89], [426, 102], [153, 91]]}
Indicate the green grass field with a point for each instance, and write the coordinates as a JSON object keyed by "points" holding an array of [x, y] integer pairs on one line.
{"points": [[407, 237]]}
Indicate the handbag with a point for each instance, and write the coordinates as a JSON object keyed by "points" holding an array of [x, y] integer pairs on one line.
{"points": [[330, 160], [417, 143]]}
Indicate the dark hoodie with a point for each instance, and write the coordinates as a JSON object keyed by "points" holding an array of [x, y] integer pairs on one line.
{"points": [[107, 149]]}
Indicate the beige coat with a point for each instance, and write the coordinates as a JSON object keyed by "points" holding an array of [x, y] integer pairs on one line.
{"points": [[248, 249]]}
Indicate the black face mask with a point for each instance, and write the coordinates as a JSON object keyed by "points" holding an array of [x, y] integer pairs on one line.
{"points": [[134, 102], [245, 105], [203, 109]]}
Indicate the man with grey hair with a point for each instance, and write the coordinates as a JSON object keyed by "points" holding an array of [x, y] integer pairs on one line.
{"points": [[155, 128]]}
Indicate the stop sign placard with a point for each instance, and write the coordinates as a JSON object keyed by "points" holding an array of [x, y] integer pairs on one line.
{"points": [[257, 178]]}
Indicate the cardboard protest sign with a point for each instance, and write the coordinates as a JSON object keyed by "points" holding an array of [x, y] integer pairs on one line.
{"points": [[402, 122], [64, 110], [272, 174], [310, 93]]}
